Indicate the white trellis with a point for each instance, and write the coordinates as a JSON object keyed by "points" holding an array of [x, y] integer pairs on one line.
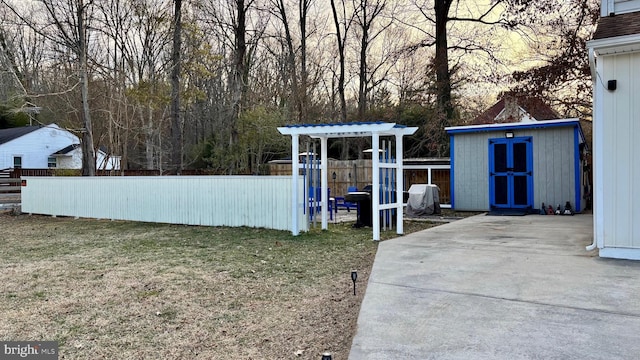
{"points": [[363, 129]]}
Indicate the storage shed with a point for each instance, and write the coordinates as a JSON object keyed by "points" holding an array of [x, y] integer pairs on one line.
{"points": [[515, 167]]}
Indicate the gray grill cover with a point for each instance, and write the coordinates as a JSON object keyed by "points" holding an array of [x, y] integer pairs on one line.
{"points": [[424, 199]]}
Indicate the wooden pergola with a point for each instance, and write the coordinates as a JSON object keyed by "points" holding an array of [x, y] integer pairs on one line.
{"points": [[361, 129]]}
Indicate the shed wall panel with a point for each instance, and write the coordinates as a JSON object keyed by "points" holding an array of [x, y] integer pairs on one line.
{"points": [[471, 171], [620, 166], [553, 165]]}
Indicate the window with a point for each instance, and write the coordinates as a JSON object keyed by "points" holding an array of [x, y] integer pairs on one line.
{"points": [[51, 162], [17, 162]]}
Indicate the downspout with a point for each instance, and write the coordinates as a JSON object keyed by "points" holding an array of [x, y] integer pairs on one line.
{"points": [[592, 65]]}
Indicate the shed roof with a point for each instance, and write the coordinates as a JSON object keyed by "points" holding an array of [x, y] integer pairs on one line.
{"points": [[513, 126], [7, 135]]}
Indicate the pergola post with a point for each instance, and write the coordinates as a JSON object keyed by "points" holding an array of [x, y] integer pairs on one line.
{"points": [[295, 191], [324, 184], [399, 185], [375, 184]]}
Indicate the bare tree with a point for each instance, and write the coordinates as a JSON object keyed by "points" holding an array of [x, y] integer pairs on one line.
{"points": [[303, 11], [145, 59], [176, 122], [240, 29], [442, 16], [66, 24], [564, 76], [114, 21], [299, 80], [368, 12], [342, 25], [281, 13]]}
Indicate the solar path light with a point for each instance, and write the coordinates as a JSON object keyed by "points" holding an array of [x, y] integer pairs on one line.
{"points": [[354, 276]]}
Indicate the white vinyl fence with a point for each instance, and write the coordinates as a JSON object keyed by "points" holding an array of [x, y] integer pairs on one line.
{"points": [[254, 201]]}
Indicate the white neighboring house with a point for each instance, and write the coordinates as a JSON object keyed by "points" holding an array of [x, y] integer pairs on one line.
{"points": [[614, 54], [41, 147]]}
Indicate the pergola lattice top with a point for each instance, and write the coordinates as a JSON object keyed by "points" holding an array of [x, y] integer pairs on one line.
{"points": [[354, 129]]}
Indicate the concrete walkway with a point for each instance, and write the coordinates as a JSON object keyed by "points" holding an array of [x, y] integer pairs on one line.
{"points": [[491, 287]]}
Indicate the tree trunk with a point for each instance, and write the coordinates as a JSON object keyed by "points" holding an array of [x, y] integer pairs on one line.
{"points": [[443, 76], [239, 82], [176, 120], [148, 135], [364, 43], [441, 61], [88, 152], [304, 76], [293, 73], [341, 93]]}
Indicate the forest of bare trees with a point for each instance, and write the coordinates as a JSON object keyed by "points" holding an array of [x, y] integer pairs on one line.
{"points": [[180, 84]]}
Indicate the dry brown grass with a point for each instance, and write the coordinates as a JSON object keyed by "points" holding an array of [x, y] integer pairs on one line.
{"points": [[125, 290]]}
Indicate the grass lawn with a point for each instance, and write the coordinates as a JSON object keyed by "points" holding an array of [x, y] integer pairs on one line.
{"points": [[125, 290]]}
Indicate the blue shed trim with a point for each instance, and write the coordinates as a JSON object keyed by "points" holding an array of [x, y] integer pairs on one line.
{"points": [[491, 166], [452, 179], [530, 180], [512, 126], [576, 160], [528, 140]]}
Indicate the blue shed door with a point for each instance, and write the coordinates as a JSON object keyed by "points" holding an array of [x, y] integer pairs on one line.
{"points": [[510, 173]]}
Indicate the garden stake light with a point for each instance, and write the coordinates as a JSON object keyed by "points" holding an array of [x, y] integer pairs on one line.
{"points": [[326, 356], [354, 276]]}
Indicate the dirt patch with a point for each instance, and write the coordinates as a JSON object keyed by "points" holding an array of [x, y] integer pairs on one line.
{"points": [[113, 290]]}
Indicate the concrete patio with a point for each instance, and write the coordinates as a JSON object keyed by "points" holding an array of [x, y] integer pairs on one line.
{"points": [[490, 287]]}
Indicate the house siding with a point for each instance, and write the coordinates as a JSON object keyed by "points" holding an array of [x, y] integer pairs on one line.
{"points": [[554, 167], [620, 168], [74, 161], [35, 147], [618, 7]]}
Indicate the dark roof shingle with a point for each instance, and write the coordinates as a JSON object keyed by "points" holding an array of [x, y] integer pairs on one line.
{"points": [[7, 135], [66, 150], [618, 25], [533, 105]]}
